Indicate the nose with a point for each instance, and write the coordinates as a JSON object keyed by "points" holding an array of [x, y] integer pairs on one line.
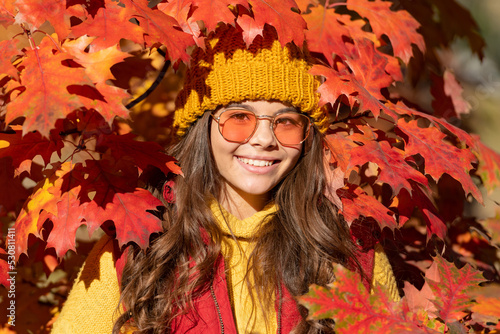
{"points": [[263, 135]]}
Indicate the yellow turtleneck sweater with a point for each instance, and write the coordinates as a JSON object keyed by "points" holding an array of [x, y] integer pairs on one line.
{"points": [[236, 248]]}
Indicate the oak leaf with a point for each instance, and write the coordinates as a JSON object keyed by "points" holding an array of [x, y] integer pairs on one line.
{"points": [[181, 11]]}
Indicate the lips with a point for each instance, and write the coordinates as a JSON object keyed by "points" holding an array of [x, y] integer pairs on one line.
{"points": [[256, 162]]}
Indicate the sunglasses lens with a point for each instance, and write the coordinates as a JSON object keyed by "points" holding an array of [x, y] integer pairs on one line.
{"points": [[291, 128], [237, 125]]}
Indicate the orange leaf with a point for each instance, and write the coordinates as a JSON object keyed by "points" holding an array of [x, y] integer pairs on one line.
{"points": [[103, 25], [36, 12], [46, 98], [399, 26], [160, 29], [279, 14], [440, 157]]}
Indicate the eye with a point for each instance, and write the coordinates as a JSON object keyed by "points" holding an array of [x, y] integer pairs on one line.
{"points": [[289, 120], [239, 116]]}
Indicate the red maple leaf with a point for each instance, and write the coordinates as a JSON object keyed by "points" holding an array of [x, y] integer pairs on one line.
{"points": [[36, 12], [440, 157], [393, 169], [160, 28], [21, 148], [103, 26], [407, 201], [128, 212], [181, 11], [45, 97], [325, 34], [451, 288], [8, 50], [355, 310], [279, 14], [7, 12], [489, 166], [463, 136], [448, 101], [141, 153], [205, 11], [98, 68], [399, 26], [356, 203]]}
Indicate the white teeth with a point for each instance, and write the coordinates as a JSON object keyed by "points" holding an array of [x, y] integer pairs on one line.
{"points": [[258, 163]]}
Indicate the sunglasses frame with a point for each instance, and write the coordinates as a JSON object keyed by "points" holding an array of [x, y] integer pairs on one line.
{"points": [[262, 117]]}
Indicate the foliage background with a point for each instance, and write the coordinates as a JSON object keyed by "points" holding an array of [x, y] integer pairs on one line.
{"points": [[43, 282]]}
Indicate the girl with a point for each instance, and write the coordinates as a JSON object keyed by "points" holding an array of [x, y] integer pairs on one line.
{"points": [[250, 226]]}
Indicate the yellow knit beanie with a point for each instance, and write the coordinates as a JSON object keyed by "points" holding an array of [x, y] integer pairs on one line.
{"points": [[229, 72]]}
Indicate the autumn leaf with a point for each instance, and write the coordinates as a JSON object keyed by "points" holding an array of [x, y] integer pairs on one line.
{"points": [[21, 148], [489, 166], [9, 50], [205, 12], [448, 100], [463, 136], [103, 25], [451, 289], [399, 26], [128, 212], [325, 33], [45, 98], [98, 68], [142, 153], [487, 307], [160, 28], [279, 14], [355, 310], [7, 12], [13, 192], [418, 198], [180, 10], [357, 203], [440, 157], [36, 12], [29, 221], [393, 170]]}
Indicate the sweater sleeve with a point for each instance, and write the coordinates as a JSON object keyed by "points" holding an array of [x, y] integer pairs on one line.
{"points": [[91, 306], [383, 274]]}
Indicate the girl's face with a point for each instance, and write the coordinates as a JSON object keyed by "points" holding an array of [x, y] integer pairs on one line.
{"points": [[257, 166]]}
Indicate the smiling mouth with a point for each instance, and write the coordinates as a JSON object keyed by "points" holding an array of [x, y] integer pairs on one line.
{"points": [[256, 163]]}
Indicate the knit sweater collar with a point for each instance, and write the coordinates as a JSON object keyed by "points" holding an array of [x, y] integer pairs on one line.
{"points": [[245, 228]]}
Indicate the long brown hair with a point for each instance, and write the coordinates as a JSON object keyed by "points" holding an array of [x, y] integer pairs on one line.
{"points": [[297, 247]]}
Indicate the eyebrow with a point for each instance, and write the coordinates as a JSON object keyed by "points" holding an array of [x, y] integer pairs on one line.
{"points": [[251, 108]]}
